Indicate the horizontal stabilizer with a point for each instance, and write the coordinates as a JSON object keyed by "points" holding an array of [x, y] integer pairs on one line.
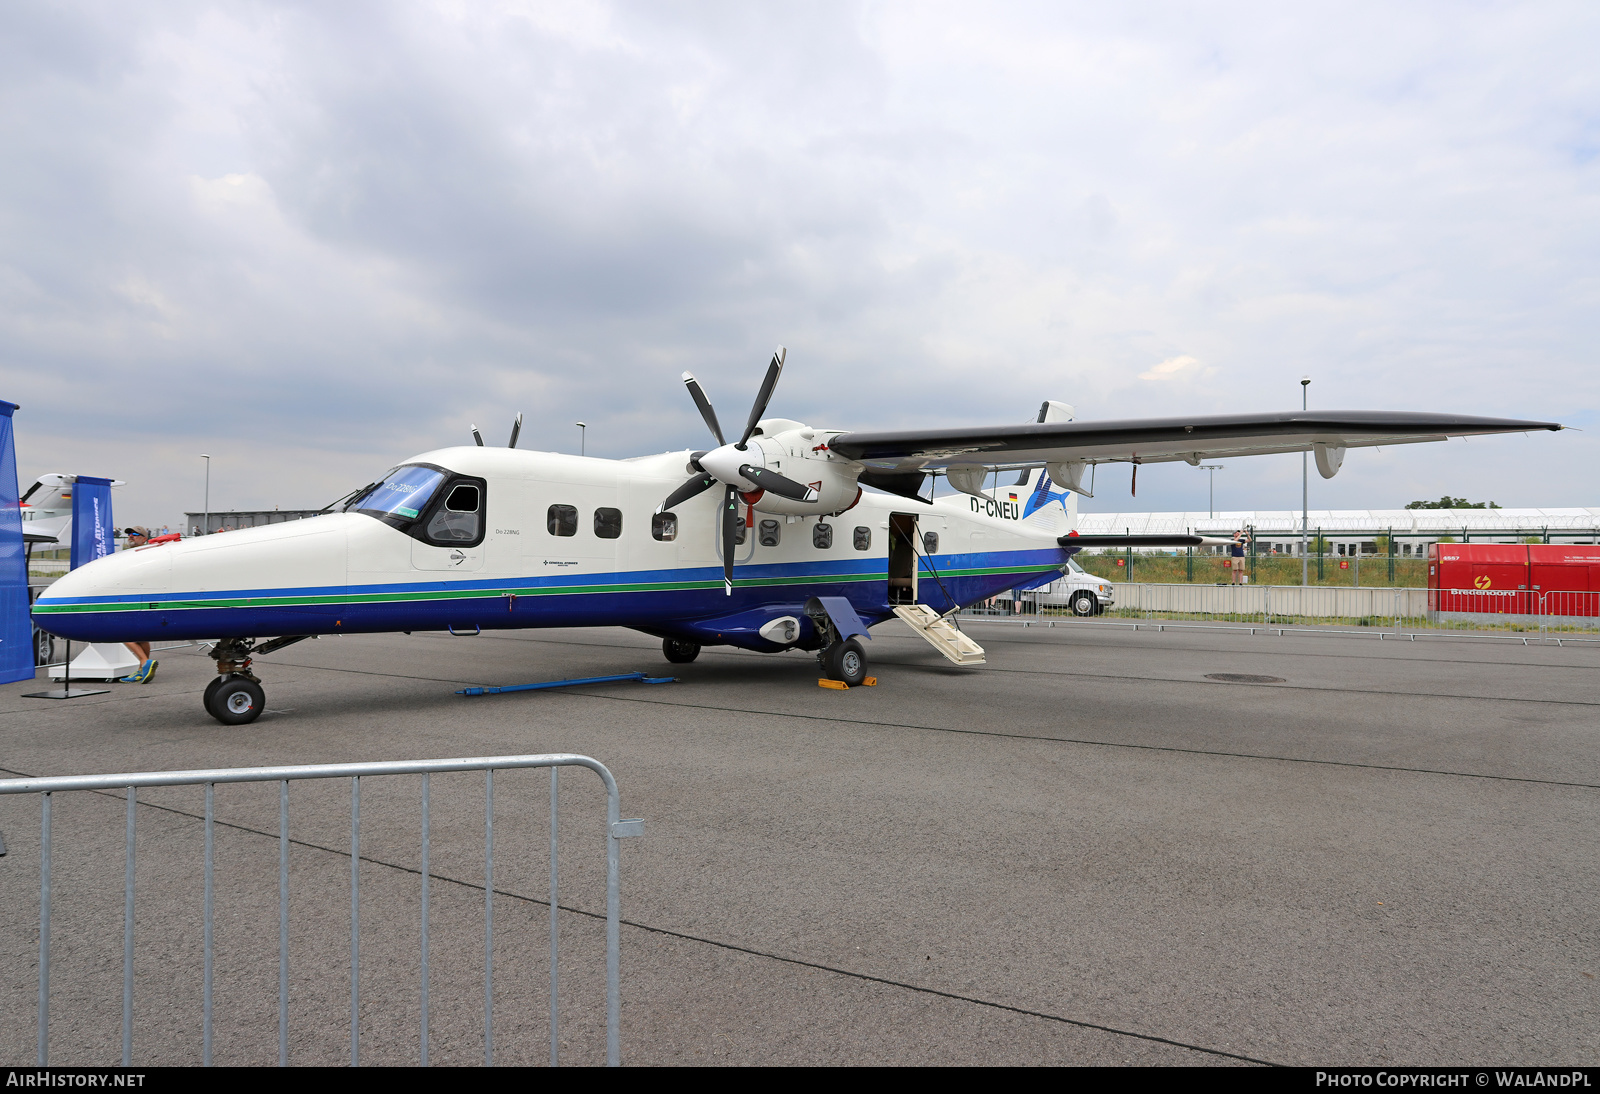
{"points": [[1081, 542]]}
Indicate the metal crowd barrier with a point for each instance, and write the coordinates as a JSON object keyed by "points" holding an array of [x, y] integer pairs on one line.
{"points": [[1401, 610], [616, 829]]}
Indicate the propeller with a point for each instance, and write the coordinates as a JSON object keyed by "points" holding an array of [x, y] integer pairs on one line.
{"points": [[516, 431], [729, 464], [730, 537], [477, 436]]}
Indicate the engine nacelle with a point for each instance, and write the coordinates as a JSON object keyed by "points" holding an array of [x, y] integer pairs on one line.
{"points": [[801, 453]]}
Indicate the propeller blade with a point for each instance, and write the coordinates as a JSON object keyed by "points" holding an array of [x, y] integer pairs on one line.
{"points": [[697, 485], [516, 431], [477, 436], [730, 513], [774, 483], [704, 404], [774, 370]]}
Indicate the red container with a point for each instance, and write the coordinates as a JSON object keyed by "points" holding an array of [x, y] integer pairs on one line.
{"points": [[1566, 577], [1514, 578]]}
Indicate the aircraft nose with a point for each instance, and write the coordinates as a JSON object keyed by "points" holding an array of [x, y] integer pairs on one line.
{"points": [[97, 598], [261, 581]]}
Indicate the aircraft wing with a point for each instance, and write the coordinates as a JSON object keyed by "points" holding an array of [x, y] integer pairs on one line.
{"points": [[57, 530], [1158, 440]]}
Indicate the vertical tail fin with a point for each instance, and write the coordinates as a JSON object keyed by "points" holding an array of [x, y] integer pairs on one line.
{"points": [[1049, 506]]}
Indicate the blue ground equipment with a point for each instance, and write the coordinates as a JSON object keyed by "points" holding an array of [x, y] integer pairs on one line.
{"points": [[627, 676]]}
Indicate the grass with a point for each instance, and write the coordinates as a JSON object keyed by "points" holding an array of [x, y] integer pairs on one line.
{"points": [[1151, 569]]}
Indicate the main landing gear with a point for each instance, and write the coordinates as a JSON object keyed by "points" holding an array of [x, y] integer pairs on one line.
{"points": [[680, 651], [844, 661], [235, 697]]}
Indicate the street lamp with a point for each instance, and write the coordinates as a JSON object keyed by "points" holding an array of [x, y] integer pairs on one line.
{"points": [[583, 434], [205, 523], [1212, 501], [1305, 493]]}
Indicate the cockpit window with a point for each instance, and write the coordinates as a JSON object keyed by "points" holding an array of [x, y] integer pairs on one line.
{"points": [[457, 518], [1072, 564], [403, 494]]}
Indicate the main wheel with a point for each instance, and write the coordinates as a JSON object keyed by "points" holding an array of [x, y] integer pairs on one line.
{"points": [[680, 651], [211, 689], [44, 647], [1084, 604], [847, 661], [235, 701]]}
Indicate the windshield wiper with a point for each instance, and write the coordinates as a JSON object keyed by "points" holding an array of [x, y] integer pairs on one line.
{"points": [[354, 496]]}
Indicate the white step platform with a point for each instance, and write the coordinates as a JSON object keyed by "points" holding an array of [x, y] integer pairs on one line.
{"points": [[941, 635], [99, 661]]}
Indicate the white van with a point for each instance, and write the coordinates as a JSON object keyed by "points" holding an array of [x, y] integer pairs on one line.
{"points": [[1078, 590]]}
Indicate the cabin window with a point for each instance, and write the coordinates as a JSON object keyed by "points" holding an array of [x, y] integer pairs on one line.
{"points": [[863, 539], [562, 520], [741, 531], [930, 543], [771, 532], [459, 519], [664, 526], [607, 523], [822, 536]]}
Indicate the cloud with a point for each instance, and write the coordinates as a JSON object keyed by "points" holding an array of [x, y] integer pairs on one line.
{"points": [[1178, 368], [316, 239]]}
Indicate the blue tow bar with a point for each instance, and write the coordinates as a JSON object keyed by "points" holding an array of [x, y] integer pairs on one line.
{"points": [[639, 676]]}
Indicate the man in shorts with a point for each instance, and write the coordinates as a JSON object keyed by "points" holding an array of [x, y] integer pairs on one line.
{"points": [[138, 537]]}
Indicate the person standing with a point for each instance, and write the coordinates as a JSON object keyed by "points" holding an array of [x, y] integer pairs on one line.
{"points": [[138, 537], [1237, 550]]}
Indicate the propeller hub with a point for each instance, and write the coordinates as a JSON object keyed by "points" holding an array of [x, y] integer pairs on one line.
{"points": [[724, 463]]}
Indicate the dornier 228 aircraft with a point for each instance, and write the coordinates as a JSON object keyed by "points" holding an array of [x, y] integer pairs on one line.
{"points": [[770, 544]]}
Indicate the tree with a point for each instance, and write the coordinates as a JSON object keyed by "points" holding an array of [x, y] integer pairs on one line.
{"points": [[1447, 502]]}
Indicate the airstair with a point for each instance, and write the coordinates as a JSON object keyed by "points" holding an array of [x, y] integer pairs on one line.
{"points": [[942, 636]]}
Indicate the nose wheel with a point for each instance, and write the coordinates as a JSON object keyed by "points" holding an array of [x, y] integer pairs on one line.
{"points": [[235, 697], [234, 700]]}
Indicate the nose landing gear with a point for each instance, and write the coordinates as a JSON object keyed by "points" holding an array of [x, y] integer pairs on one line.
{"points": [[235, 697]]}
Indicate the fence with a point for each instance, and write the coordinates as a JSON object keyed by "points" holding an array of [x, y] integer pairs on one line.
{"points": [[131, 782], [1405, 609]]}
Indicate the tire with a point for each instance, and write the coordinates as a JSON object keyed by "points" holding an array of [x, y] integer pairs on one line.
{"points": [[235, 701], [847, 662], [44, 647], [680, 651], [211, 689], [1084, 604]]}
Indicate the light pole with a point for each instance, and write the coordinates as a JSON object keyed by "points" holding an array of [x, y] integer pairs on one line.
{"points": [[1212, 500], [1305, 494], [205, 522], [583, 434]]}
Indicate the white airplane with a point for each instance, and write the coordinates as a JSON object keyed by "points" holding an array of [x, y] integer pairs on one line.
{"points": [[790, 553], [47, 510]]}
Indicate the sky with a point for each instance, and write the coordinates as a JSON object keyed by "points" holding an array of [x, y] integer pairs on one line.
{"points": [[313, 240]]}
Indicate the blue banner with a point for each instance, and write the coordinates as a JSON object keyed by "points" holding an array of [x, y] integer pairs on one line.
{"points": [[93, 534], [16, 628]]}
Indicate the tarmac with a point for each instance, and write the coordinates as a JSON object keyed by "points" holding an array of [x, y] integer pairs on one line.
{"points": [[1086, 852]]}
